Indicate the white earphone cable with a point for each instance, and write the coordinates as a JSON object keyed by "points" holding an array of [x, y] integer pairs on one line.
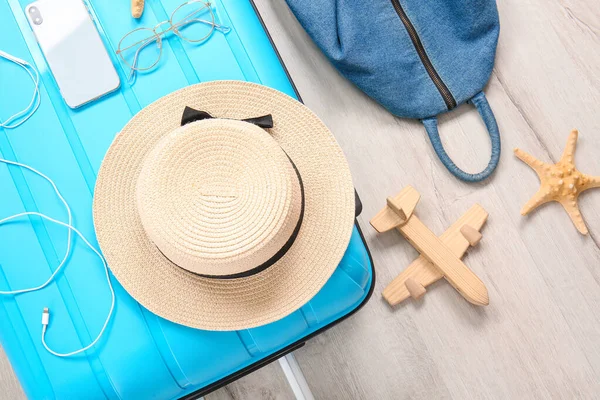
{"points": [[13, 121], [71, 228]]}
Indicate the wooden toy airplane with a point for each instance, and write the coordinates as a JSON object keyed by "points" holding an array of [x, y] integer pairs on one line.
{"points": [[440, 257]]}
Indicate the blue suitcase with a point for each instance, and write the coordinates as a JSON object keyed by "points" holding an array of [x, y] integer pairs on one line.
{"points": [[141, 356]]}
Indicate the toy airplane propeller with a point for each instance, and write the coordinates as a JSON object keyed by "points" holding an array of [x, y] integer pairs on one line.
{"points": [[440, 257]]}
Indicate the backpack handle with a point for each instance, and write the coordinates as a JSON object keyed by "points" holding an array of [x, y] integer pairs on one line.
{"points": [[487, 115]]}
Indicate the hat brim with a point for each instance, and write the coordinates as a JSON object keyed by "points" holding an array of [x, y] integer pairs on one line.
{"points": [[188, 299]]}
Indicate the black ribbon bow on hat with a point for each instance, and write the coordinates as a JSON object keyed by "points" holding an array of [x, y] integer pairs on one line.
{"points": [[191, 115]]}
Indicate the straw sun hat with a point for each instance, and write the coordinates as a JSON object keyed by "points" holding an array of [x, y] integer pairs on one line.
{"points": [[218, 223]]}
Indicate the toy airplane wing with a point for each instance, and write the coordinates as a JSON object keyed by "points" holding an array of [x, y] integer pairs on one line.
{"points": [[421, 272]]}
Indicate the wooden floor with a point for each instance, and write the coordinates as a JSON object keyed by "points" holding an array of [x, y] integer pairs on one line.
{"points": [[540, 335]]}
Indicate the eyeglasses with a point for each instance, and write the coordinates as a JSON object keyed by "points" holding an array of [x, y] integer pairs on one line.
{"points": [[193, 22]]}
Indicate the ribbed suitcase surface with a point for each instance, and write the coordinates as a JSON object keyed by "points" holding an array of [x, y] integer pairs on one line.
{"points": [[141, 356]]}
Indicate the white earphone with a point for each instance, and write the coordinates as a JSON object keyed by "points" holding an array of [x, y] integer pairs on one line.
{"points": [[71, 228], [12, 58], [22, 116]]}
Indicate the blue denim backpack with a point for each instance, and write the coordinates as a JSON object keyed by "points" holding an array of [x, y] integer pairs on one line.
{"points": [[418, 58]]}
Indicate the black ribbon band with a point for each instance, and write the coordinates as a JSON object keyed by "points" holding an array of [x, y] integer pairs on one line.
{"points": [[191, 115], [277, 256]]}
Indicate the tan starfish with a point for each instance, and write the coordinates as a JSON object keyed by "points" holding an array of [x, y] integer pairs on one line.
{"points": [[560, 182]]}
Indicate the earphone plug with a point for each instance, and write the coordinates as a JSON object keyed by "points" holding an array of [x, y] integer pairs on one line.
{"points": [[45, 317]]}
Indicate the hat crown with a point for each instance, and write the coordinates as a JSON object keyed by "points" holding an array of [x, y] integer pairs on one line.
{"points": [[219, 198]]}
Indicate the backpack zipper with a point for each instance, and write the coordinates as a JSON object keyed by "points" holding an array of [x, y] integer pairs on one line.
{"points": [[414, 36]]}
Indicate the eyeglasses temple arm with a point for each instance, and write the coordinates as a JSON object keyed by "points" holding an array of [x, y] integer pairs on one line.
{"points": [[218, 27]]}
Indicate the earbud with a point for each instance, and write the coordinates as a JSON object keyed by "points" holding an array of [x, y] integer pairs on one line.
{"points": [[23, 115]]}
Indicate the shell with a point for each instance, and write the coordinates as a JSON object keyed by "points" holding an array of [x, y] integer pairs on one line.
{"points": [[137, 8]]}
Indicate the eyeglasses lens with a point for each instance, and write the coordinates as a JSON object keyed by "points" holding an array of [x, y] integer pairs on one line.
{"points": [[193, 21], [140, 49]]}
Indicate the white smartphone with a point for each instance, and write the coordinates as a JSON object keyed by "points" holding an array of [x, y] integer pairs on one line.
{"points": [[73, 49]]}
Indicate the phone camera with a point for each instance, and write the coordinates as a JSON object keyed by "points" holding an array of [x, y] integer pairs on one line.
{"points": [[35, 15]]}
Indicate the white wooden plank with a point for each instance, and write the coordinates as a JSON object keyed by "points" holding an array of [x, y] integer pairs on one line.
{"points": [[9, 385]]}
